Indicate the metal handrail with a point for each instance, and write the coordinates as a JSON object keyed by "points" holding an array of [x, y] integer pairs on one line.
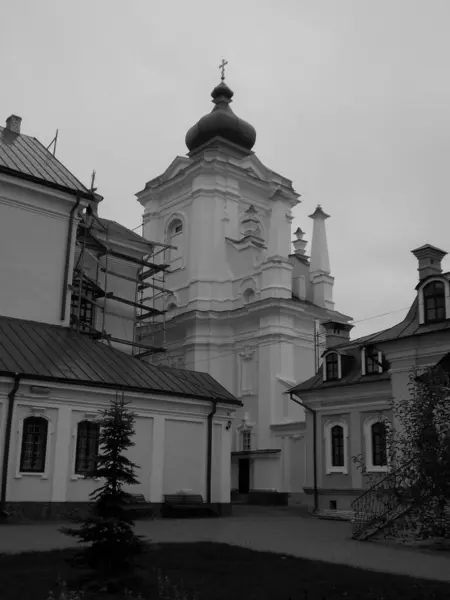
{"points": [[380, 481]]}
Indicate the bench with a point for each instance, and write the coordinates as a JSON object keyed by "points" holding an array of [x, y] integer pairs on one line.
{"points": [[138, 505], [183, 504]]}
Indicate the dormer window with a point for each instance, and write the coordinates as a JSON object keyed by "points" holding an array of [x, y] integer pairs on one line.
{"points": [[332, 366], [371, 365], [371, 361], [434, 302]]}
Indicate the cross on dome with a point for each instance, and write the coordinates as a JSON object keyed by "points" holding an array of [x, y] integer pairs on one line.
{"points": [[222, 68]]}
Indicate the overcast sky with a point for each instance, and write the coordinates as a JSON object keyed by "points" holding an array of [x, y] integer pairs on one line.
{"points": [[350, 99]]}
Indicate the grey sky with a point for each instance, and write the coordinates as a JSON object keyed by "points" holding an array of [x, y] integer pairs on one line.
{"points": [[349, 98]]}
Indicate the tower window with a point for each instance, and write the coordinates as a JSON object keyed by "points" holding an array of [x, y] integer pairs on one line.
{"points": [[434, 301], [246, 440], [175, 237], [331, 363]]}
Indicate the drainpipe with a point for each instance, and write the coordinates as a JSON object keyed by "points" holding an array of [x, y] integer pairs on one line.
{"points": [[9, 418], [314, 414], [67, 263], [209, 455]]}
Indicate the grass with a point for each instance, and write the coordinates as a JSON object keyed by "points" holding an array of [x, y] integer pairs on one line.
{"points": [[222, 572]]}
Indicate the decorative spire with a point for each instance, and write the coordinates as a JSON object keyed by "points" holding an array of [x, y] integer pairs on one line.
{"points": [[222, 68], [320, 261], [299, 243]]}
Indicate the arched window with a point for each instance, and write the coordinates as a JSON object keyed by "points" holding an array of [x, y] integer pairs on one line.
{"points": [[249, 296], [175, 237], [88, 434], [337, 446], [434, 301], [332, 368], [379, 454], [375, 434], [34, 445]]}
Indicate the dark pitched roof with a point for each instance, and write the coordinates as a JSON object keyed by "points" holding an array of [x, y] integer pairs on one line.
{"points": [[351, 374], [116, 230], [406, 328], [54, 353], [25, 157]]}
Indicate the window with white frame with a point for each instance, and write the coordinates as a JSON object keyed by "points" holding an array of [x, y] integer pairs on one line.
{"points": [[336, 446], [375, 434], [331, 366], [434, 301], [371, 361], [88, 435], [34, 445], [246, 436], [175, 237]]}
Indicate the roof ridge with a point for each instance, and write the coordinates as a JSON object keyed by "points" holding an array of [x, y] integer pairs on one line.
{"points": [[46, 150]]}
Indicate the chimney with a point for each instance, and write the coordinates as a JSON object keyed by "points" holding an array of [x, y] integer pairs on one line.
{"points": [[429, 258], [13, 123], [336, 333]]}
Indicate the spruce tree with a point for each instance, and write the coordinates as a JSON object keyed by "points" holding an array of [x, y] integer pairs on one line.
{"points": [[108, 529]]}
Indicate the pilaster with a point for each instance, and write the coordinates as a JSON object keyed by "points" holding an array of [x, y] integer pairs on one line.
{"points": [[61, 464], [157, 458]]}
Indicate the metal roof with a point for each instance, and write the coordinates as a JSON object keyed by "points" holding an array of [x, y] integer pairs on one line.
{"points": [[25, 157], [54, 353], [407, 328], [116, 230]]}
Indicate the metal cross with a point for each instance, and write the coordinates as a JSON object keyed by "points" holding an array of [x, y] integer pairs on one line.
{"points": [[222, 67]]}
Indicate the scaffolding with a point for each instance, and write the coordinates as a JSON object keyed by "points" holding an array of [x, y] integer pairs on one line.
{"points": [[96, 243]]}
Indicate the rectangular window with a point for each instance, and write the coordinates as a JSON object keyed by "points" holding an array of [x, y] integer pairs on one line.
{"points": [[372, 365], [246, 440], [379, 454], [87, 447], [34, 445], [331, 362]]}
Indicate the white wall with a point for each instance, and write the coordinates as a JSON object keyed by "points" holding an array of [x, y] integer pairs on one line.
{"points": [[170, 445], [33, 236]]}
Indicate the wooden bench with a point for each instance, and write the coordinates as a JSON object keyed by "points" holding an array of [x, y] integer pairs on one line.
{"points": [[138, 505], [182, 504]]}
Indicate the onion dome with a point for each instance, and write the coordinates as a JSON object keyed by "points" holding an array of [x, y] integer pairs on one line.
{"points": [[221, 121]]}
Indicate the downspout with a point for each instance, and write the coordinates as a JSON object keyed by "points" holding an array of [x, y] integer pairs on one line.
{"points": [[67, 263], [209, 453], [9, 418], [314, 414]]}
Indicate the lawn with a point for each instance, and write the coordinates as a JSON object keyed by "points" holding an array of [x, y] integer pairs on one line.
{"points": [[210, 571]]}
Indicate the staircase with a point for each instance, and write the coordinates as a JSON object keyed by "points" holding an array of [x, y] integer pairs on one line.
{"points": [[383, 503]]}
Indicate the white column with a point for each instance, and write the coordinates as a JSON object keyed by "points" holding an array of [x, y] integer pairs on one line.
{"points": [[62, 448], [157, 472]]}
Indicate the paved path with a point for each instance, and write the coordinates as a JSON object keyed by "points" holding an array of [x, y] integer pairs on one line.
{"points": [[276, 530]]}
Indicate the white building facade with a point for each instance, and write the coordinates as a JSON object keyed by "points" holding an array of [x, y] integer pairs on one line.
{"points": [[244, 306], [54, 380]]}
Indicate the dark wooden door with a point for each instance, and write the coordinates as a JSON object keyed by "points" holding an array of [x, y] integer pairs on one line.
{"points": [[244, 475]]}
